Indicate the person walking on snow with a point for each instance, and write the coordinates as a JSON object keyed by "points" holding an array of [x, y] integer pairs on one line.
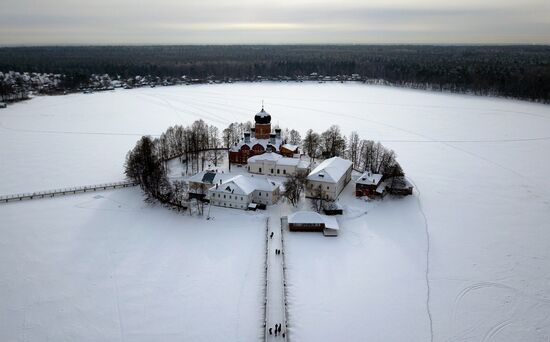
{"points": [[279, 329], [271, 236], [270, 331]]}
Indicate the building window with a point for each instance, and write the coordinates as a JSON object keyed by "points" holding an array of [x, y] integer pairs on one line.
{"points": [[259, 194], [271, 170], [278, 171], [284, 172], [328, 188], [241, 198], [260, 170], [223, 196]]}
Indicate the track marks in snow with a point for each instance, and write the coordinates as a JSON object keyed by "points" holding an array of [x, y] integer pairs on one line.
{"points": [[491, 333], [495, 330], [427, 270], [24, 130]]}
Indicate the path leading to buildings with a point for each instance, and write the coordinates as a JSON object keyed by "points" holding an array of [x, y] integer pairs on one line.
{"points": [[275, 293]]}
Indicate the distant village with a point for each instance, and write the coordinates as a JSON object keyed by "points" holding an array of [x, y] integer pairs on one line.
{"points": [[264, 168], [17, 86]]}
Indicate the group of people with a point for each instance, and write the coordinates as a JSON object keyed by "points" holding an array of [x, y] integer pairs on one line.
{"points": [[277, 330], [277, 251]]}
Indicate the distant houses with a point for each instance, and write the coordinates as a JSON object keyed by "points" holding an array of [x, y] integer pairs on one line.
{"points": [[329, 178], [276, 165]]}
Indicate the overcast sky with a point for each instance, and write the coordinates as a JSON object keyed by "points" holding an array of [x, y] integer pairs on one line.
{"points": [[46, 22]]}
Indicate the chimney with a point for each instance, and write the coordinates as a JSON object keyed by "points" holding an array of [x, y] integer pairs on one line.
{"points": [[253, 133], [272, 137], [247, 137], [278, 133]]}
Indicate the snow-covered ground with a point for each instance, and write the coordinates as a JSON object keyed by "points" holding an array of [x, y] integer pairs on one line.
{"points": [[107, 267], [480, 166]]}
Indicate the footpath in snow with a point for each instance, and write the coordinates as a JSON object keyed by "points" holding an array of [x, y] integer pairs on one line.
{"points": [[275, 312]]}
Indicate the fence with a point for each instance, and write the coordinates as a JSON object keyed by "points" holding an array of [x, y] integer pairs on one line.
{"points": [[65, 191], [284, 223], [266, 276]]}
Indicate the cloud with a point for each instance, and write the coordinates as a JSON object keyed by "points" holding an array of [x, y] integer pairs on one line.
{"points": [[285, 21]]}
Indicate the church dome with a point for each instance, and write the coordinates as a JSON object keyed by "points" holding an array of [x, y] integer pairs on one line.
{"points": [[262, 117]]}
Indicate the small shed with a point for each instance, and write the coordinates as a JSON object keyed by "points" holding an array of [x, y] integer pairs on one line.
{"points": [[3, 105], [289, 150], [309, 221], [399, 186], [331, 226]]}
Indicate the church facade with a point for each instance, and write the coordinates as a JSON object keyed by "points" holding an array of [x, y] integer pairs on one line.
{"points": [[259, 140]]}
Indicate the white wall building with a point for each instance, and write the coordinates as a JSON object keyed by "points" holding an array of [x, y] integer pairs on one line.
{"points": [[329, 178], [274, 164], [202, 181], [238, 192]]}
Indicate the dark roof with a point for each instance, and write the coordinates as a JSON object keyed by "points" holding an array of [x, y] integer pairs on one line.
{"points": [[208, 177], [262, 117]]}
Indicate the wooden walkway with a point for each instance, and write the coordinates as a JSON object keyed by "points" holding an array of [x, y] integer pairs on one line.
{"points": [[65, 191], [275, 291]]}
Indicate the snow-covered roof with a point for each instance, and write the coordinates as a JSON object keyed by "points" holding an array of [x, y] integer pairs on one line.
{"points": [[381, 187], [399, 183], [331, 222], [279, 160], [268, 156], [290, 147], [254, 141], [369, 178], [330, 170], [304, 217], [243, 185], [303, 164], [263, 113]]}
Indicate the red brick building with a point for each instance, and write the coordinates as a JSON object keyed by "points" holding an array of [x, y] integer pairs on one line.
{"points": [[259, 140]]}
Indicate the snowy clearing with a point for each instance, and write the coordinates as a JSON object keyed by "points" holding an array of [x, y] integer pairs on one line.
{"points": [[479, 165]]}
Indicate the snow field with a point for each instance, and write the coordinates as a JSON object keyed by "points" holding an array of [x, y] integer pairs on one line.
{"points": [[480, 167], [107, 267]]}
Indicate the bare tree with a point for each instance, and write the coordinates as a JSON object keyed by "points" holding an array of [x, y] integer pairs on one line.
{"points": [[353, 148], [295, 138], [311, 144], [294, 186], [318, 199], [332, 142]]}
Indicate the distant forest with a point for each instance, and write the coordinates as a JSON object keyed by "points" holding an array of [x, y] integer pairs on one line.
{"points": [[512, 71]]}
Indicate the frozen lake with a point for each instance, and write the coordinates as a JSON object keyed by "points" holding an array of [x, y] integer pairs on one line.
{"points": [[480, 165]]}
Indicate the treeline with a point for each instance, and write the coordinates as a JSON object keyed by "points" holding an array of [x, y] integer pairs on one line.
{"points": [[512, 71], [366, 155], [146, 162], [189, 143]]}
